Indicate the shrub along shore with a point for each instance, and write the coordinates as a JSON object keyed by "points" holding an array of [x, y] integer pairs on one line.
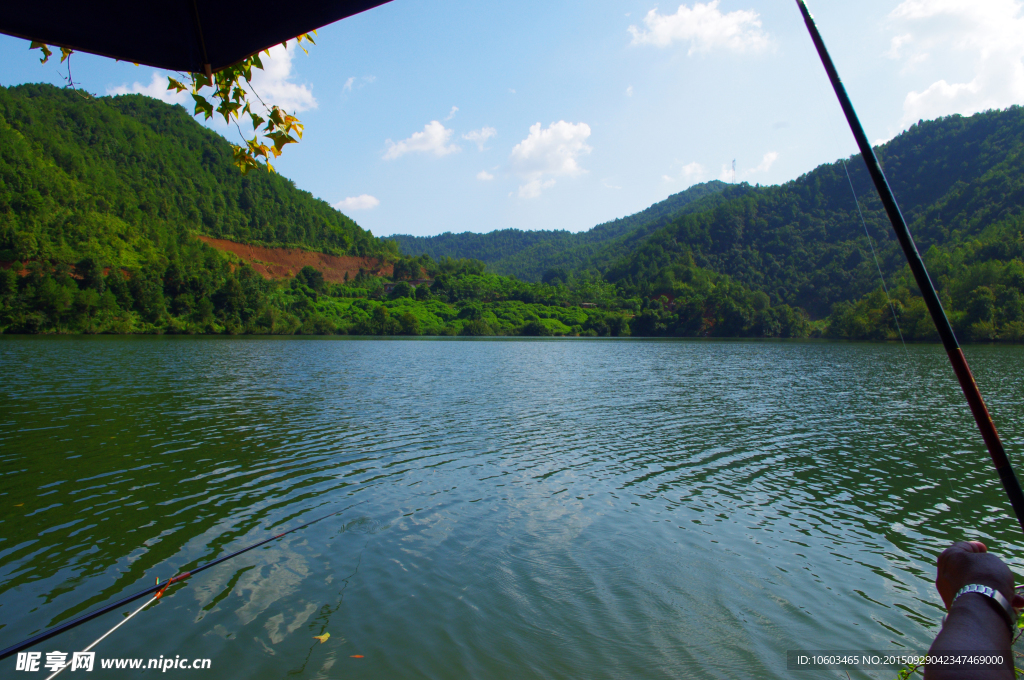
{"points": [[204, 292]]}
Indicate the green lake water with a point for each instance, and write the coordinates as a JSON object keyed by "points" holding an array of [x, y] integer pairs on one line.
{"points": [[509, 508]]}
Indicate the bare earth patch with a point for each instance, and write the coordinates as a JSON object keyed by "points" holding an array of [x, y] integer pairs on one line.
{"points": [[283, 263]]}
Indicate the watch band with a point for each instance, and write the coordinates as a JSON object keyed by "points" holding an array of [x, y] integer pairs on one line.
{"points": [[1004, 607]]}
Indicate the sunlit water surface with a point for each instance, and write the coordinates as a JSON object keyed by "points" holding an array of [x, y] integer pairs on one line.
{"points": [[509, 509]]}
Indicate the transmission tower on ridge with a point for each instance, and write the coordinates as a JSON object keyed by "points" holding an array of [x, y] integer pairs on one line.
{"points": [[734, 171]]}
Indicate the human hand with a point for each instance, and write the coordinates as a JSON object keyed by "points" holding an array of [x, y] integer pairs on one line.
{"points": [[970, 562]]}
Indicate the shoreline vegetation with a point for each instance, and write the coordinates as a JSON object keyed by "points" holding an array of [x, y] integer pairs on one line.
{"points": [[214, 293], [123, 215]]}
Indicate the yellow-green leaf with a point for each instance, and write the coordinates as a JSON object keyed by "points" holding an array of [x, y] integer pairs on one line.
{"points": [[45, 49]]}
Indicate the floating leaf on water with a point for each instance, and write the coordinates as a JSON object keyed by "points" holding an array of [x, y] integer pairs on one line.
{"points": [[357, 656], [322, 638]]}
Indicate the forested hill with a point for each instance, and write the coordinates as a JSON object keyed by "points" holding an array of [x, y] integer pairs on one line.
{"points": [[958, 180], [528, 255], [125, 180]]}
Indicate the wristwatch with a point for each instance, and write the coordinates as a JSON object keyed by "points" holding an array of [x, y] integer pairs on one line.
{"points": [[997, 600]]}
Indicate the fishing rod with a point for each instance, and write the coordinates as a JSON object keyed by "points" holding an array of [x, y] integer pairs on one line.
{"points": [[924, 282], [159, 589]]}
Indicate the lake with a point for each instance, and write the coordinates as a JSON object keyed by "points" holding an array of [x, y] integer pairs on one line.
{"points": [[508, 508]]}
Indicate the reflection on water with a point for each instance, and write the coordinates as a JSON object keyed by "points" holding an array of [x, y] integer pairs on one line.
{"points": [[511, 508]]}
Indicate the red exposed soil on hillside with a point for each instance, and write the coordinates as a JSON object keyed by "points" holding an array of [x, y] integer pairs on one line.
{"points": [[282, 263], [4, 264]]}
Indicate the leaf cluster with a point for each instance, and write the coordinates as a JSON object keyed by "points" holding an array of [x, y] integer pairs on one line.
{"points": [[229, 97]]}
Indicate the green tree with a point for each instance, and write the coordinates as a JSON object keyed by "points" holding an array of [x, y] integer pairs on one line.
{"points": [[85, 304], [477, 327], [401, 290], [534, 328], [982, 305], [8, 282], [147, 292], [311, 277], [381, 320], [230, 299], [91, 273], [408, 324]]}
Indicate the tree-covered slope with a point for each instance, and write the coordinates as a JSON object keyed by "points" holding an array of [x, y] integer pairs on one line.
{"points": [[803, 242], [123, 179], [529, 255]]}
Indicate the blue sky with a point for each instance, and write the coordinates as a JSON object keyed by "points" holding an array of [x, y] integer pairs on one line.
{"points": [[425, 116]]}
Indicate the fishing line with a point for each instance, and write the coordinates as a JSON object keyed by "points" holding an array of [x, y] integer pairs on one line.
{"points": [[909, 364], [330, 612], [863, 222], [100, 639], [878, 267], [895, 318]]}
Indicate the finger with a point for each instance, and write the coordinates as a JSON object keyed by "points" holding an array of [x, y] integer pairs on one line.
{"points": [[977, 546], [1018, 602]]}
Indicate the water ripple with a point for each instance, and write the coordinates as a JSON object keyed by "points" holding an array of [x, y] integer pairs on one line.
{"points": [[536, 508]]}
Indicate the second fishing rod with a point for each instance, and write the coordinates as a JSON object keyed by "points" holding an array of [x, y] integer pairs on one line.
{"points": [[159, 588]]}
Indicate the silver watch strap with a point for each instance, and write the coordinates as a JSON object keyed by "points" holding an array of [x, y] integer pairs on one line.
{"points": [[1009, 613]]}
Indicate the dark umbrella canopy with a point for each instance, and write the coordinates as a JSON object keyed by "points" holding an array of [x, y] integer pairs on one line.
{"points": [[180, 35]]}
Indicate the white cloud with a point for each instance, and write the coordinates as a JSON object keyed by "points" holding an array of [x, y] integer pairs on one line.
{"points": [[433, 139], [484, 176], [985, 35], [552, 152], [451, 114], [705, 28], [361, 202], [273, 83], [534, 187], [896, 45], [157, 89], [691, 173], [728, 173], [354, 83], [766, 163], [629, 91], [480, 137]]}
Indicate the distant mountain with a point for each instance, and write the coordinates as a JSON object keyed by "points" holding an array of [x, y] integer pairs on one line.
{"points": [[803, 242], [528, 255]]}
